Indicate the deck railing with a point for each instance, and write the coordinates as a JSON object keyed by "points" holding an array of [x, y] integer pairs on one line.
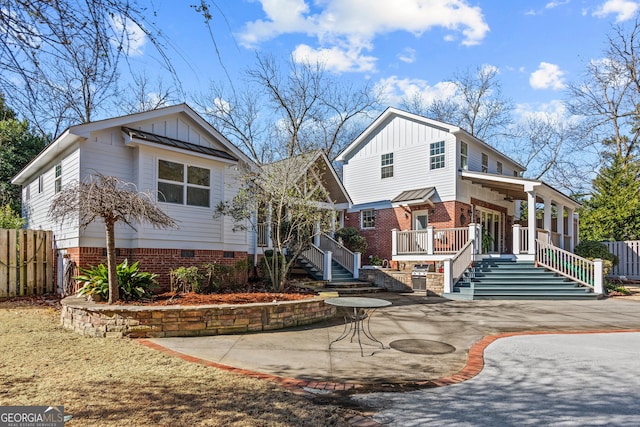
{"points": [[524, 240], [461, 261], [570, 265], [262, 234], [340, 253], [431, 241]]}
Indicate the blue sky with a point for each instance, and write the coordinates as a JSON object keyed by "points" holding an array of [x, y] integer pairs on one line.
{"points": [[402, 46]]}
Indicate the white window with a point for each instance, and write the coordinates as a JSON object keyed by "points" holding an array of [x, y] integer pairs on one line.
{"points": [[485, 163], [183, 184], [464, 151], [367, 218], [58, 180], [386, 164], [499, 168], [436, 154], [27, 192]]}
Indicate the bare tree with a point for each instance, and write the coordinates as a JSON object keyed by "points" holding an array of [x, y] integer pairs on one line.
{"points": [[145, 95], [309, 109], [292, 196], [608, 97], [60, 59], [111, 200], [478, 106]]}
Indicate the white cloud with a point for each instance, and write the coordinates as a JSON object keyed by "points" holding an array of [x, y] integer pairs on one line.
{"points": [[556, 109], [407, 55], [133, 39], [352, 25], [554, 4], [394, 89], [547, 76], [623, 9], [335, 58]]}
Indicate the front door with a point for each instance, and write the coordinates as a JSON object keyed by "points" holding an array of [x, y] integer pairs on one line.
{"points": [[420, 221], [491, 222]]}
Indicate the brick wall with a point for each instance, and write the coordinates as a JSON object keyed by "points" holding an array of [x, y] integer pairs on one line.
{"points": [[158, 261], [441, 215]]}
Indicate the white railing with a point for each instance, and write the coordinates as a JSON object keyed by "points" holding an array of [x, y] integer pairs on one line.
{"points": [[628, 254], [431, 241], [315, 256], [570, 265], [340, 253], [450, 240], [262, 234], [524, 240], [461, 261]]}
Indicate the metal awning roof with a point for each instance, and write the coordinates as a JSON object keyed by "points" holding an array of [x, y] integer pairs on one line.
{"points": [[414, 197], [152, 137]]}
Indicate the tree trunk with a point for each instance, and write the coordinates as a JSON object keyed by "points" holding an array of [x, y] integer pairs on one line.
{"points": [[114, 294]]}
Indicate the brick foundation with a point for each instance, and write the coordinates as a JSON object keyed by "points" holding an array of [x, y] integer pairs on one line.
{"points": [[158, 261], [117, 321]]}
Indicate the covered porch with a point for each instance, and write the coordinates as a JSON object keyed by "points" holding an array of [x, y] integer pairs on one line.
{"points": [[549, 213]]}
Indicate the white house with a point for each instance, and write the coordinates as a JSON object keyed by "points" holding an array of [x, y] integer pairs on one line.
{"points": [[421, 177], [171, 152]]}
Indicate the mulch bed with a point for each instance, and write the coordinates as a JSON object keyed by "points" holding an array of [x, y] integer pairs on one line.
{"points": [[192, 298]]}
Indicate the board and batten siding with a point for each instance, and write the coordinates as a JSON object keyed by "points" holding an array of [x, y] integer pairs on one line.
{"points": [[409, 142], [36, 209]]}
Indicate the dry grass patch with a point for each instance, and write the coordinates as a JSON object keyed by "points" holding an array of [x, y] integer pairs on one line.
{"points": [[116, 382]]}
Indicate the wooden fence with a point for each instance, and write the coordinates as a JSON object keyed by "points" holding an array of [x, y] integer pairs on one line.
{"points": [[26, 262], [628, 254]]}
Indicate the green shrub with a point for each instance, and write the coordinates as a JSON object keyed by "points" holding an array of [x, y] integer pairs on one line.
{"points": [[133, 283], [10, 219], [186, 279], [592, 249], [221, 277], [352, 239]]}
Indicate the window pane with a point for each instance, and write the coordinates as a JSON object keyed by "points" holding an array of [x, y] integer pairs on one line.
{"points": [[198, 176], [368, 219], [170, 171], [387, 171], [170, 193], [197, 196], [58, 171]]}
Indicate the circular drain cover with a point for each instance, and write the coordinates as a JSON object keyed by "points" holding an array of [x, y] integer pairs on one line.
{"points": [[422, 346]]}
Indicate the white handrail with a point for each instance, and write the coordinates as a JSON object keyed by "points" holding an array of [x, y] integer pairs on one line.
{"points": [[567, 264], [461, 261], [315, 256], [341, 254]]}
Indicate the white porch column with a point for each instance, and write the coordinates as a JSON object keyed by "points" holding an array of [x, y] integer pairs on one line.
{"points": [[547, 216], [531, 221], [598, 277], [316, 234], [570, 230], [394, 242], [357, 262], [476, 236], [560, 208], [515, 238], [326, 274], [430, 239], [448, 276]]}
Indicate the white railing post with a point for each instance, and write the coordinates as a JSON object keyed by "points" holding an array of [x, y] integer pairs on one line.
{"points": [[516, 239], [598, 277], [394, 242], [475, 236], [357, 259], [326, 274], [430, 240], [447, 276]]}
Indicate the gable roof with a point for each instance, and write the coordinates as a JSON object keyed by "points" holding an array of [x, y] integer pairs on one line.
{"points": [[391, 111], [81, 132], [332, 182]]}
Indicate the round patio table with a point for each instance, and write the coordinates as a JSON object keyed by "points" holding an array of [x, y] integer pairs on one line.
{"points": [[354, 322]]}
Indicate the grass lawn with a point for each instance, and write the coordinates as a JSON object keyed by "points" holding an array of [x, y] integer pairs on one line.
{"points": [[118, 382]]}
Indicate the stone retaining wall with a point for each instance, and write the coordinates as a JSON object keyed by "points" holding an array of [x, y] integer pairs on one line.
{"points": [[100, 320], [400, 280]]}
